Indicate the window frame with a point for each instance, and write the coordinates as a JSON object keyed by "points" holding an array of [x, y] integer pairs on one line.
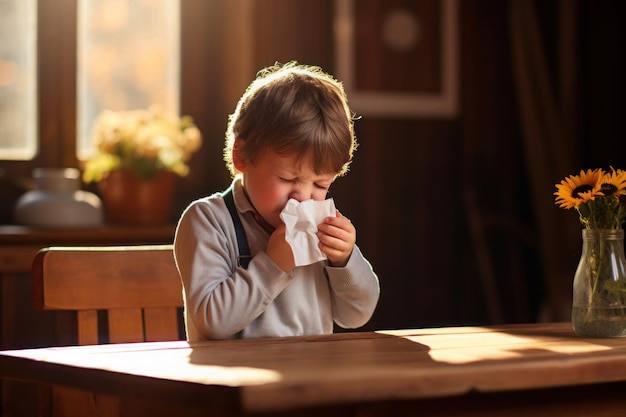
{"points": [[56, 90]]}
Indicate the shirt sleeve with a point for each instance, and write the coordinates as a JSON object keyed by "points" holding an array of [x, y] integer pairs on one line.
{"points": [[221, 298], [355, 291]]}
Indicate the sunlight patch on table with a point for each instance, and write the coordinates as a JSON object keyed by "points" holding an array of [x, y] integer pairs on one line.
{"points": [[471, 346], [152, 363]]}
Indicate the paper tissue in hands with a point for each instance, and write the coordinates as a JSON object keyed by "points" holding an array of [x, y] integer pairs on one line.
{"points": [[301, 220]]}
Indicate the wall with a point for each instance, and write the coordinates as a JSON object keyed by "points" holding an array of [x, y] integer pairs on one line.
{"points": [[443, 206], [408, 189]]}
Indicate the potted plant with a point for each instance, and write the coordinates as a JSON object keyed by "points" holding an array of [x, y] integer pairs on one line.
{"points": [[138, 155]]}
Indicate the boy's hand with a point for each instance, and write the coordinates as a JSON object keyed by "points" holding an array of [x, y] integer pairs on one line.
{"points": [[337, 237], [280, 251]]}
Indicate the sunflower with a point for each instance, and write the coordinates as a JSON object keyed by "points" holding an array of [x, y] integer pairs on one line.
{"points": [[613, 183], [599, 197], [578, 189]]}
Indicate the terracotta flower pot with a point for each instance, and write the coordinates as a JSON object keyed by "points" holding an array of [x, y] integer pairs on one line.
{"points": [[130, 200]]}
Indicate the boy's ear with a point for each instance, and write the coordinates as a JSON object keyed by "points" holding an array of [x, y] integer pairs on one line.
{"points": [[239, 161]]}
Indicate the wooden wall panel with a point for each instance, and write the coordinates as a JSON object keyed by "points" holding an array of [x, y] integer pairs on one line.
{"points": [[413, 67], [286, 30], [406, 189], [402, 190]]}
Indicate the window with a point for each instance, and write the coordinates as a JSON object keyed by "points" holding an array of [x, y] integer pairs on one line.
{"points": [[53, 106], [128, 57], [18, 79]]}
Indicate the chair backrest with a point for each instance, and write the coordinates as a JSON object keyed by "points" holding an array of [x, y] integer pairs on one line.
{"points": [[133, 291]]}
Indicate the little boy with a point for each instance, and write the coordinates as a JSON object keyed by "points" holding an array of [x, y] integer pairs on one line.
{"points": [[290, 137]]}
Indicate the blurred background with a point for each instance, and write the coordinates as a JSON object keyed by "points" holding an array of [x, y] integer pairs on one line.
{"points": [[470, 111]]}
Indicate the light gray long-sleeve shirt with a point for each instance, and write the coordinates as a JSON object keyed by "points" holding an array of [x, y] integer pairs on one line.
{"points": [[223, 300]]}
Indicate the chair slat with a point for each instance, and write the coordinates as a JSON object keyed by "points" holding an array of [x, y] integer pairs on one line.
{"points": [[126, 325], [88, 327], [160, 324], [68, 276]]}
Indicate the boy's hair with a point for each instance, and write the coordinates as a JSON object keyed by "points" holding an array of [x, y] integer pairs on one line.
{"points": [[293, 109]]}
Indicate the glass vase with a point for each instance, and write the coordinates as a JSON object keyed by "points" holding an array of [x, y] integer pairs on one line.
{"points": [[599, 299]]}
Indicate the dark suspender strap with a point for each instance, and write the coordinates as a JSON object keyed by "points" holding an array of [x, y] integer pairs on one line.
{"points": [[242, 243]]}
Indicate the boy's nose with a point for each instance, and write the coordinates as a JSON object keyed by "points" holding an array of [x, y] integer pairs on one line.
{"points": [[301, 193]]}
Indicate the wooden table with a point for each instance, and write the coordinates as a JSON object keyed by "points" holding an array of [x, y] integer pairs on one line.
{"points": [[513, 370]]}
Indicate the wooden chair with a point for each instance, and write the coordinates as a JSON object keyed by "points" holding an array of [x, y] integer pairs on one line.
{"points": [[120, 294], [138, 287]]}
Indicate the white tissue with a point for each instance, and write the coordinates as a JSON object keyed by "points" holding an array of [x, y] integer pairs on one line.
{"points": [[301, 220]]}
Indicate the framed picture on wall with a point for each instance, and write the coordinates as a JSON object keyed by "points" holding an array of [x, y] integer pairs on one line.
{"points": [[398, 58]]}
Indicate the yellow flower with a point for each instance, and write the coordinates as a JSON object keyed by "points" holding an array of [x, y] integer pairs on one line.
{"points": [[614, 182], [599, 197], [144, 141], [578, 189]]}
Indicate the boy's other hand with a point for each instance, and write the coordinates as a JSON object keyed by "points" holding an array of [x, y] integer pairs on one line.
{"points": [[337, 238], [280, 251]]}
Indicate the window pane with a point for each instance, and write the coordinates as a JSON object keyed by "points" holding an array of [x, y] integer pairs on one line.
{"points": [[128, 58], [18, 79]]}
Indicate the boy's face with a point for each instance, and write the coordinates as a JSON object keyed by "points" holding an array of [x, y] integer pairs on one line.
{"points": [[273, 179]]}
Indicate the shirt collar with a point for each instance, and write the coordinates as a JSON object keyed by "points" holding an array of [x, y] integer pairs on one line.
{"points": [[242, 202]]}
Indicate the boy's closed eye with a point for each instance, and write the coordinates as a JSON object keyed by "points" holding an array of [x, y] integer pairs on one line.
{"points": [[296, 180]]}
